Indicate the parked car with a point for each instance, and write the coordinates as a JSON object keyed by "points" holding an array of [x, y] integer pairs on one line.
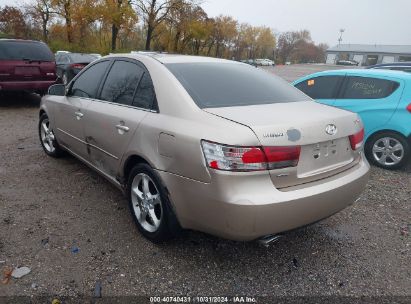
{"points": [[207, 144], [396, 66], [70, 64], [383, 100], [264, 62], [26, 65], [96, 55], [347, 62]]}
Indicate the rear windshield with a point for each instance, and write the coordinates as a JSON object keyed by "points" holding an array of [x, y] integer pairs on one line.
{"points": [[214, 85], [82, 58], [25, 50]]}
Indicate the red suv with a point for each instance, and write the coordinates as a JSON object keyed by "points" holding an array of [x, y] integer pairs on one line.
{"points": [[26, 65]]}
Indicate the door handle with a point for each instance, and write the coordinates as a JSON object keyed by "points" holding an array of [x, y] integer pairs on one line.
{"points": [[79, 115], [123, 128]]}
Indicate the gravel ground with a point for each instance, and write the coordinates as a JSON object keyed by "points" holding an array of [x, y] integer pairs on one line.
{"points": [[73, 229]]}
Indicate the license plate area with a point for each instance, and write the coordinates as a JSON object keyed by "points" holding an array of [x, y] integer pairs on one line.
{"points": [[324, 157], [27, 71]]}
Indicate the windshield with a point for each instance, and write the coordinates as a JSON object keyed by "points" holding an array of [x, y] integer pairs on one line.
{"points": [[25, 50], [213, 85]]}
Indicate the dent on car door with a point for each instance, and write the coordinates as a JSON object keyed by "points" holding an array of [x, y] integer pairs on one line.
{"points": [[323, 89], [113, 120], [69, 114], [374, 99]]}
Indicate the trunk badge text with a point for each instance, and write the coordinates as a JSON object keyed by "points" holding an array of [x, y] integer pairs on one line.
{"points": [[331, 129], [275, 135]]}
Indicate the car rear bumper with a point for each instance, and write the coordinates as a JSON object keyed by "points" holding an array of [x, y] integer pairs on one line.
{"points": [[237, 207], [40, 85]]}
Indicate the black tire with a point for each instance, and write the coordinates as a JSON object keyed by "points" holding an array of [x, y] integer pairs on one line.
{"points": [[169, 226], [51, 148], [376, 138]]}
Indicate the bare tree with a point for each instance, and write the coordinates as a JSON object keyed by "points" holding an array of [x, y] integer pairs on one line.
{"points": [[41, 10], [153, 13]]}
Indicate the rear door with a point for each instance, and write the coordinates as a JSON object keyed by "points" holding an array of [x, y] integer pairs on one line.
{"points": [[323, 89], [374, 99], [70, 114], [126, 97]]}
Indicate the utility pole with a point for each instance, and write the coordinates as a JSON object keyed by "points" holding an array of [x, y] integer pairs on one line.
{"points": [[340, 39]]}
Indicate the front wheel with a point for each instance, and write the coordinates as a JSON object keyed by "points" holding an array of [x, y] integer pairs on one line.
{"points": [[388, 150], [47, 138], [150, 206]]}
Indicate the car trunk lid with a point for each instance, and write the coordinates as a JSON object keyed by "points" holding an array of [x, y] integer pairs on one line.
{"points": [[303, 124]]}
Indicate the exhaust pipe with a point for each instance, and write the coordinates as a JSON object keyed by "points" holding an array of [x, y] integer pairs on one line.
{"points": [[269, 239]]}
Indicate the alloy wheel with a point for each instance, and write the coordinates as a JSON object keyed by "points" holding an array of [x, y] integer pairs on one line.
{"points": [[47, 136], [146, 202], [388, 151]]}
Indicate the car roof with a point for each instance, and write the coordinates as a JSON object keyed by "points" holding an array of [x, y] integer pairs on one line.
{"points": [[173, 58], [20, 40], [400, 64], [361, 72]]}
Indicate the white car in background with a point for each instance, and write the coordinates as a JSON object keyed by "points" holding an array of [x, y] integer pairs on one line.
{"points": [[264, 62]]}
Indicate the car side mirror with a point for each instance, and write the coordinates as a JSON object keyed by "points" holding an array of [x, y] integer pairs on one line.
{"points": [[57, 89]]}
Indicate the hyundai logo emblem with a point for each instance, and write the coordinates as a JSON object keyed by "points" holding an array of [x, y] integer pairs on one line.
{"points": [[331, 129]]}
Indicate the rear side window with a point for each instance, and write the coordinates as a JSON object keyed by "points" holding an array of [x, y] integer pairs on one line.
{"points": [[86, 85], [368, 88], [145, 95], [121, 82], [322, 87], [213, 85], [25, 50]]}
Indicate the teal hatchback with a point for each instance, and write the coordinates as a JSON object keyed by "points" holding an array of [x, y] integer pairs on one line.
{"points": [[382, 98]]}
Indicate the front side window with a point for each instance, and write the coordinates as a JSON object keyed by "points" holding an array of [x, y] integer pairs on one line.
{"points": [[368, 88], [213, 85], [121, 82], [86, 85], [322, 87]]}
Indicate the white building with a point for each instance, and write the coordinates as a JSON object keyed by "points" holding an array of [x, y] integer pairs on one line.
{"points": [[369, 54]]}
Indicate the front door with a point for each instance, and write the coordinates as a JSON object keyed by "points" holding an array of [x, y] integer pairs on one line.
{"points": [[70, 124], [70, 115]]}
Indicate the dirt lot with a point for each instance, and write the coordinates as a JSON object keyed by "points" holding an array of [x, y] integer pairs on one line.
{"points": [[73, 229]]}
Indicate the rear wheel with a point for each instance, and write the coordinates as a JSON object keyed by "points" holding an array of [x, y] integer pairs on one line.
{"points": [[150, 206], [47, 138], [388, 150]]}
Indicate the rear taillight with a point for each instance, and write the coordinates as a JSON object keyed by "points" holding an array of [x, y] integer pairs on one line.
{"points": [[409, 108], [77, 66], [236, 158], [356, 140], [282, 157]]}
